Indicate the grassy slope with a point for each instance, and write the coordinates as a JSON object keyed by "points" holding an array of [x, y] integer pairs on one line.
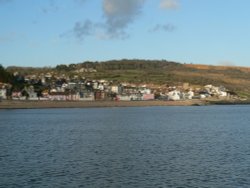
{"points": [[234, 78]]}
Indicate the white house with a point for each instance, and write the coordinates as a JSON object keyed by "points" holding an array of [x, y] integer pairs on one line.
{"points": [[101, 87], [218, 91], [116, 89], [95, 85], [3, 93], [145, 91], [174, 95], [190, 94], [124, 97], [223, 94]]}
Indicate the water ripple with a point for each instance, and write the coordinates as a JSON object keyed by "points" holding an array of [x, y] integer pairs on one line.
{"points": [[126, 147]]}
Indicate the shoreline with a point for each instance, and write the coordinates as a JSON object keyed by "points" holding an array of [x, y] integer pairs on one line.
{"points": [[15, 104], [12, 104]]}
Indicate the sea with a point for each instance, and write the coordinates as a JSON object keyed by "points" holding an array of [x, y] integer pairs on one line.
{"points": [[148, 147]]}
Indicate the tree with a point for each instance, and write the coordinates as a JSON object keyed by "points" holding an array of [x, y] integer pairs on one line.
{"points": [[62, 67], [4, 75]]}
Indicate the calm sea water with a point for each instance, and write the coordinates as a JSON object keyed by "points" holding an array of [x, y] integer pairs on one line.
{"points": [[126, 147]]}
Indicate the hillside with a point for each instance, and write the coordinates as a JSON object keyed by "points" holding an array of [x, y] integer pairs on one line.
{"points": [[236, 79]]}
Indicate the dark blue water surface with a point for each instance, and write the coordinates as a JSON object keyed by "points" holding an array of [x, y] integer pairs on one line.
{"points": [[126, 147]]}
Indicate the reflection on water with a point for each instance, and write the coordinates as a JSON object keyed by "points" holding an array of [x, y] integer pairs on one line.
{"points": [[126, 147]]}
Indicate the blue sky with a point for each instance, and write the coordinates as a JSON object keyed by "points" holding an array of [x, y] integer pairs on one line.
{"points": [[50, 32]]}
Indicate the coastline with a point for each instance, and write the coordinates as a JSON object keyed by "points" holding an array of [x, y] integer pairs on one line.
{"points": [[11, 104], [15, 104]]}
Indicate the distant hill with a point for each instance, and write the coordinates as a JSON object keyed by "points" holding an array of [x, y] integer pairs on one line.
{"points": [[236, 79]]}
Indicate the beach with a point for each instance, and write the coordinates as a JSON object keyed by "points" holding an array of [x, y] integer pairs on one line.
{"points": [[15, 104]]}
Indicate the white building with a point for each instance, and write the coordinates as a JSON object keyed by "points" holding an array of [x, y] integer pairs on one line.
{"points": [[217, 91], [124, 97], [116, 89], [101, 87], [190, 94], [145, 91], [223, 94], [3, 94], [174, 95]]}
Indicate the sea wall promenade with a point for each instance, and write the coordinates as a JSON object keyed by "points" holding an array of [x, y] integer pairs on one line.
{"points": [[12, 104]]}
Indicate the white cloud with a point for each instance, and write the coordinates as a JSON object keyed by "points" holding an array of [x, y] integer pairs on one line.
{"points": [[169, 4], [119, 14]]}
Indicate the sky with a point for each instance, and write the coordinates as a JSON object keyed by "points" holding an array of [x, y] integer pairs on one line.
{"points": [[42, 33]]}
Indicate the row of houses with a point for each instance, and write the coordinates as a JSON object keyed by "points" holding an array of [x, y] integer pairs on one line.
{"points": [[89, 90], [208, 91], [101, 95]]}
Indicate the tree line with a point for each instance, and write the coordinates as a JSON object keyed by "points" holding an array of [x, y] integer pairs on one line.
{"points": [[123, 64]]}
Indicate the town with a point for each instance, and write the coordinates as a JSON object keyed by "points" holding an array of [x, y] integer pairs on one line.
{"points": [[54, 87]]}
